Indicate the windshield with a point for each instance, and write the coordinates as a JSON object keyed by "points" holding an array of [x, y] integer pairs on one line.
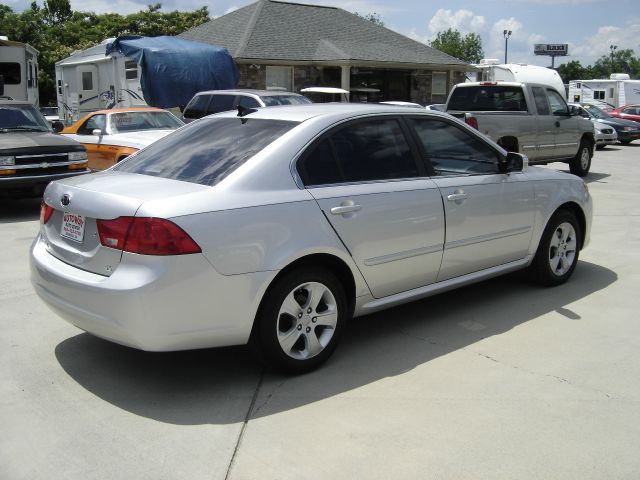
{"points": [[272, 100], [136, 121], [22, 117], [596, 112], [206, 151]]}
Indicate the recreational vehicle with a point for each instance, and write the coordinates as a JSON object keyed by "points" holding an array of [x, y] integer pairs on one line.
{"points": [[493, 71], [127, 72], [616, 91], [18, 71]]}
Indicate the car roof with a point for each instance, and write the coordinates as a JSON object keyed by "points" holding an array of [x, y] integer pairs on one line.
{"points": [[128, 110], [300, 113], [260, 93]]}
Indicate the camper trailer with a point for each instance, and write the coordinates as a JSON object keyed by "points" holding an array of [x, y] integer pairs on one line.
{"points": [[616, 91], [18, 71], [493, 71], [133, 71], [91, 80]]}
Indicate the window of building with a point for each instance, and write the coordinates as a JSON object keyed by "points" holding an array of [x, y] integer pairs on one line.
{"points": [[598, 94], [439, 83], [130, 70], [280, 78], [11, 73]]}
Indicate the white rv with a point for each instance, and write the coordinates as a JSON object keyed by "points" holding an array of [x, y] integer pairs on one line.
{"points": [[493, 71], [19, 71], [617, 91], [90, 80]]}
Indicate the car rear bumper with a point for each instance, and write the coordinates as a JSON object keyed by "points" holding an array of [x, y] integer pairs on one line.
{"points": [[152, 303]]}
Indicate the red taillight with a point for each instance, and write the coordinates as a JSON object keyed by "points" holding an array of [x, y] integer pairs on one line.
{"points": [[471, 121], [146, 236], [45, 212]]}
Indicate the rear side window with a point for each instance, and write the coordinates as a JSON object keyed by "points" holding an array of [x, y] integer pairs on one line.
{"points": [[207, 151], [271, 100], [488, 98], [248, 102], [542, 104], [363, 151], [197, 108], [220, 103]]}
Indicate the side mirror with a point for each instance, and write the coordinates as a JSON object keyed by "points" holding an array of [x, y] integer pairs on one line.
{"points": [[513, 162], [57, 126], [96, 132], [573, 111]]}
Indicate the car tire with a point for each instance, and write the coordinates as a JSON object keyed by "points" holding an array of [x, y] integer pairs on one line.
{"points": [[600, 147], [300, 320], [558, 250], [625, 142], [581, 163]]}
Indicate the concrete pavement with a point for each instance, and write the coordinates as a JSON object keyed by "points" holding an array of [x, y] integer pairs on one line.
{"points": [[498, 380]]}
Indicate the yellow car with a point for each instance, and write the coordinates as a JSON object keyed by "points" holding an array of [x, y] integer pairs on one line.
{"points": [[111, 135]]}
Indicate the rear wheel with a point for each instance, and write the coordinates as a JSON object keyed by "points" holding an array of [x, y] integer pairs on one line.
{"points": [[580, 164], [625, 142], [558, 251], [301, 320]]}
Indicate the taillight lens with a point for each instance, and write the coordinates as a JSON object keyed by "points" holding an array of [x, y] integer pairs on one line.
{"points": [[471, 121], [146, 236], [45, 212]]}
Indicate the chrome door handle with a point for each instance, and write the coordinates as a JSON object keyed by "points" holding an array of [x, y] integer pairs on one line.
{"points": [[342, 209], [456, 197]]}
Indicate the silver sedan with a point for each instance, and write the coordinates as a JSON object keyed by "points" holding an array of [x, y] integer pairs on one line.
{"points": [[274, 226]]}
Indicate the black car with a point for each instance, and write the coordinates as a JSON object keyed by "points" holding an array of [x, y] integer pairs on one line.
{"points": [[627, 130], [31, 154]]}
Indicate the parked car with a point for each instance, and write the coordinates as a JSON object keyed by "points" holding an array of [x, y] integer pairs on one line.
{"points": [[31, 154], [112, 135], [216, 101], [275, 227], [50, 114], [627, 130], [531, 118], [627, 112], [605, 134], [438, 107]]}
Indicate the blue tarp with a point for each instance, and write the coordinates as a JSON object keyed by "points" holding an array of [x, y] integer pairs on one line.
{"points": [[173, 70]]}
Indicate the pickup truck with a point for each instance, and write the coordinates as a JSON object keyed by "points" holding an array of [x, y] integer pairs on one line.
{"points": [[529, 118]]}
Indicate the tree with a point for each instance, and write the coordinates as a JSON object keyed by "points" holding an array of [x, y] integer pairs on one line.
{"points": [[372, 17], [467, 48]]}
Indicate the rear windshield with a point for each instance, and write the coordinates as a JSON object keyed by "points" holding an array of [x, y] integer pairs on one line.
{"points": [[206, 151], [271, 100], [488, 98]]}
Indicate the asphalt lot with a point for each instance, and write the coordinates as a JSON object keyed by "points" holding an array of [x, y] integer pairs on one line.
{"points": [[499, 380]]}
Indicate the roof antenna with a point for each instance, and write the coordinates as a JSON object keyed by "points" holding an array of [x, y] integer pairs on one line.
{"points": [[244, 111]]}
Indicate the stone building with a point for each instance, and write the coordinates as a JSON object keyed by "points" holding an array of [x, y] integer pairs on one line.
{"points": [[290, 46]]}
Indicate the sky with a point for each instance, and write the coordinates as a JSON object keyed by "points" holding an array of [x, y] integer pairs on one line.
{"points": [[589, 27]]}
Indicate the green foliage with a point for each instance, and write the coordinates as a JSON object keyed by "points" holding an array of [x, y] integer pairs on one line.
{"points": [[372, 17], [56, 31], [467, 48], [624, 61]]}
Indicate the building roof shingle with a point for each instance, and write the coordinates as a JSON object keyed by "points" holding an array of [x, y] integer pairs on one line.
{"points": [[275, 30]]}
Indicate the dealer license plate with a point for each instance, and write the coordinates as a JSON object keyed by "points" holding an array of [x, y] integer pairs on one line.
{"points": [[73, 227]]}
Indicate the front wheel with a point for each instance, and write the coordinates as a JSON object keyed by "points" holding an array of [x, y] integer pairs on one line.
{"points": [[581, 163], [301, 320], [558, 251]]}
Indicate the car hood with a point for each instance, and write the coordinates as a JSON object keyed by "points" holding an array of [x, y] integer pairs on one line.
{"points": [[136, 139], [619, 122], [12, 140]]}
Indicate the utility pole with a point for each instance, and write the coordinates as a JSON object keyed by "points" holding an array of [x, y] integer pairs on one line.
{"points": [[507, 34]]}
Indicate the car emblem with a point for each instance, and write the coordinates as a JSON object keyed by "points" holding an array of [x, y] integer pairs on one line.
{"points": [[44, 165], [65, 200]]}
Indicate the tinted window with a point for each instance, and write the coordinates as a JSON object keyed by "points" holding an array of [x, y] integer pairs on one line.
{"points": [[363, 151], [272, 100], [248, 102], [205, 152], [542, 104], [11, 72], [452, 151], [488, 98], [22, 116], [221, 103], [197, 107]]}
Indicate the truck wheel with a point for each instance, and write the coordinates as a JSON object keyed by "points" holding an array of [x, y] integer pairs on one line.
{"points": [[558, 250], [580, 164]]}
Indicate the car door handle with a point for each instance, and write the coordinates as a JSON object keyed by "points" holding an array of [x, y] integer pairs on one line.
{"points": [[342, 209], [457, 196]]}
